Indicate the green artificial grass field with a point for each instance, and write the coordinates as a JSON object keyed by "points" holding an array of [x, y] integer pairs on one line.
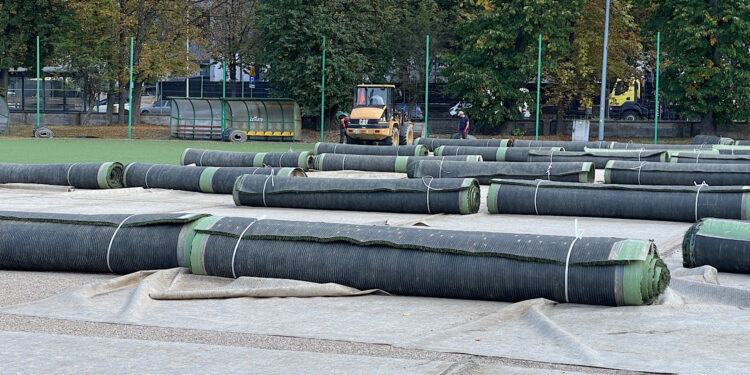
{"points": [[39, 151]]}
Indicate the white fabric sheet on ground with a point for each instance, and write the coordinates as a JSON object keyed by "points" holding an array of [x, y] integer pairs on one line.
{"points": [[648, 338], [38, 353]]}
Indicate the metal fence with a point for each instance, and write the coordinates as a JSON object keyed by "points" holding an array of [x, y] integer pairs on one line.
{"points": [[261, 119]]}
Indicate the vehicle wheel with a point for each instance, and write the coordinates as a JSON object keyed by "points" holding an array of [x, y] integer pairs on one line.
{"points": [[408, 138], [351, 141], [394, 139], [146, 111], [630, 115]]}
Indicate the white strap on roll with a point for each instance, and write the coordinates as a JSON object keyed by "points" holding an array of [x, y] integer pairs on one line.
{"points": [[112, 240], [68, 174], [265, 183], [697, 194], [237, 245], [200, 161], [536, 191], [145, 178], [578, 235]]}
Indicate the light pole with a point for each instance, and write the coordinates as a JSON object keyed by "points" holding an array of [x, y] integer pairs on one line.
{"points": [[602, 102]]}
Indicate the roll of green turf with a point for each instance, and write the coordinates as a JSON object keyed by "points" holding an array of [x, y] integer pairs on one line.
{"points": [[599, 157], [433, 143], [484, 172], [722, 244], [213, 158], [732, 149], [708, 157], [114, 243], [339, 148], [433, 262], [376, 163], [669, 203], [566, 145], [660, 146], [428, 195], [517, 154], [645, 173], [203, 179], [81, 175]]}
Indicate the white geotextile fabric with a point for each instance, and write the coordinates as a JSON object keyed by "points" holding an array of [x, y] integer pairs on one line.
{"points": [[695, 319], [39, 353]]}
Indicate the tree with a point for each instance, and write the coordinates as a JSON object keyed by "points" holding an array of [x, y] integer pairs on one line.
{"points": [[86, 52], [577, 77], [231, 33], [498, 52], [356, 48], [160, 29], [705, 57], [20, 22]]}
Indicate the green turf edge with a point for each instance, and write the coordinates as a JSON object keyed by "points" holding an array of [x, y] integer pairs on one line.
{"points": [[258, 159], [492, 198], [608, 172], [400, 164], [198, 245], [206, 179], [439, 151]]}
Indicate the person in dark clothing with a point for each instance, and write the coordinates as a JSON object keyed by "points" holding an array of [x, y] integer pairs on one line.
{"points": [[463, 125], [343, 124]]}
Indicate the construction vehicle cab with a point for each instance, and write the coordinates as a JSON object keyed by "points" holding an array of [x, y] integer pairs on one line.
{"points": [[374, 120]]}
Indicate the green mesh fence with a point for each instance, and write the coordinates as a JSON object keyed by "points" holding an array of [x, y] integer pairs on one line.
{"points": [[261, 119]]}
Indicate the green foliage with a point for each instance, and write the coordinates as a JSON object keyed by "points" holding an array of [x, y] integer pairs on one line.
{"points": [[21, 21], [705, 57], [518, 132], [356, 48], [498, 52]]}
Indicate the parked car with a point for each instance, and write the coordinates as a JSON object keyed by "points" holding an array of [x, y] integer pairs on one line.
{"points": [[101, 106], [161, 106], [416, 113]]}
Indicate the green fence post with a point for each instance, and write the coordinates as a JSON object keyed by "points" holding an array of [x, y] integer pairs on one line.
{"points": [[656, 93], [323, 91], [538, 84], [223, 95], [130, 112], [37, 81], [426, 84]]}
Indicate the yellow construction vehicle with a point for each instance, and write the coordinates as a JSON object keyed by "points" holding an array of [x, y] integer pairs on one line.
{"points": [[374, 120]]}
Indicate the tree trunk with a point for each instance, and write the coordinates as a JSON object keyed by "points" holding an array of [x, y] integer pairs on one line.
{"points": [[110, 103], [4, 82], [122, 95], [136, 104], [708, 123]]}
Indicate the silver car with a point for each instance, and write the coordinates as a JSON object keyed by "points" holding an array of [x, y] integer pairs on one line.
{"points": [[161, 106]]}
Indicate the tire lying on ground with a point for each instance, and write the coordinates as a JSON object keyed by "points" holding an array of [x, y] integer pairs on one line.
{"points": [[567, 145], [431, 196], [213, 158], [340, 148], [433, 263], [599, 157], [81, 175], [645, 173], [708, 157], [203, 179], [433, 143], [43, 132], [484, 172], [518, 154], [722, 244], [377, 163], [668, 203], [94, 243], [233, 135]]}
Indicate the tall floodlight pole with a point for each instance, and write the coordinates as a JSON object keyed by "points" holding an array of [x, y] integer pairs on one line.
{"points": [[38, 77], [602, 102], [538, 84], [656, 93], [130, 112], [426, 84], [323, 91]]}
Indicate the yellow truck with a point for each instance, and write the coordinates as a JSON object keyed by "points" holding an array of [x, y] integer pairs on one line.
{"points": [[374, 120]]}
